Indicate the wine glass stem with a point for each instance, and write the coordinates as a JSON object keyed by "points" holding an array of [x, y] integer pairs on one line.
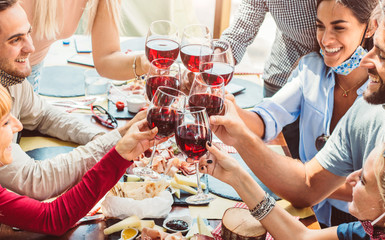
{"points": [[149, 165], [199, 190]]}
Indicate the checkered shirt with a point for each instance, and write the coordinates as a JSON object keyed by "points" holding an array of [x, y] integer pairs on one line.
{"points": [[295, 36]]}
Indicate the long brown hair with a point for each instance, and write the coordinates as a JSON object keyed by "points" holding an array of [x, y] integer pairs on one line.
{"points": [[362, 10]]}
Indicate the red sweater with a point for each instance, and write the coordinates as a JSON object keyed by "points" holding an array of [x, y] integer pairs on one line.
{"points": [[60, 215]]}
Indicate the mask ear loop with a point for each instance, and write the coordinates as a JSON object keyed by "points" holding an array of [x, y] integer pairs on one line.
{"points": [[378, 219]]}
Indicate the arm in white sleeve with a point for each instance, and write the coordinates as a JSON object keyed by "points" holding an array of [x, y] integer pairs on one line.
{"points": [[36, 114], [51, 177]]}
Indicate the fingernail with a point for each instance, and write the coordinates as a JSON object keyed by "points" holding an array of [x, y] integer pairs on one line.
{"points": [[209, 161], [209, 143]]}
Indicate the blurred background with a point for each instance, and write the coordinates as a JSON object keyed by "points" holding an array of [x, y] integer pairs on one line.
{"points": [[138, 14]]}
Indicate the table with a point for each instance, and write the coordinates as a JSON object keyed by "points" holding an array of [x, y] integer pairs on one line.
{"points": [[94, 230]]}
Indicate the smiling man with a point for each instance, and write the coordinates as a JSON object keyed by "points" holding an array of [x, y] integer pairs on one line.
{"points": [[50, 177]]}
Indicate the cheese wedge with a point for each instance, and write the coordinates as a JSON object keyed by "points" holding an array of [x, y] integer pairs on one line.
{"points": [[193, 230], [186, 188], [181, 179], [146, 223], [130, 222], [177, 192], [203, 228]]}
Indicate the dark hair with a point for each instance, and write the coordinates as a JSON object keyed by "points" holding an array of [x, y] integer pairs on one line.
{"points": [[5, 4], [362, 10]]}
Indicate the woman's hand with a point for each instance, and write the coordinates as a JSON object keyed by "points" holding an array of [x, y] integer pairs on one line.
{"points": [[220, 165], [229, 127], [137, 139]]}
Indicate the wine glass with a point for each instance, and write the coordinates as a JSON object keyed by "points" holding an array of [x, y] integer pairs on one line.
{"points": [[162, 76], [221, 62], [162, 113], [207, 91], [195, 45], [162, 42], [191, 135]]}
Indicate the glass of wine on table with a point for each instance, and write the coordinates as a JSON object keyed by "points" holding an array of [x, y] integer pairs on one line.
{"points": [[162, 41], [191, 135], [163, 114], [195, 45]]}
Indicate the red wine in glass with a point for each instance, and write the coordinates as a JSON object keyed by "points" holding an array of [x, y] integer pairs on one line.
{"points": [[192, 139], [211, 71], [154, 82], [164, 118], [212, 103], [192, 54], [162, 48]]}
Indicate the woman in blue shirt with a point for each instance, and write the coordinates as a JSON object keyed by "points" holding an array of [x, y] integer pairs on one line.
{"points": [[368, 202], [324, 85]]}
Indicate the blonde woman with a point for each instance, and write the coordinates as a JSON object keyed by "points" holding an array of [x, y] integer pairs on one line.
{"points": [[58, 19], [60, 215], [368, 204]]}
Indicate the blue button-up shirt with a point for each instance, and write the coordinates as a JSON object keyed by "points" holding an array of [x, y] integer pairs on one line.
{"points": [[308, 93]]}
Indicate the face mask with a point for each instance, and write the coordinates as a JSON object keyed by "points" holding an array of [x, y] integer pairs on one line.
{"points": [[350, 64], [9, 80], [374, 233]]}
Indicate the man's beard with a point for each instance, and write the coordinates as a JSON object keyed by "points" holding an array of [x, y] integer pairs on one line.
{"points": [[5, 67], [377, 97]]}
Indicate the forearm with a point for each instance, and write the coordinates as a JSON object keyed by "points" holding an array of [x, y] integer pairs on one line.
{"points": [[51, 177], [343, 193], [279, 223], [252, 120], [58, 216], [287, 177]]}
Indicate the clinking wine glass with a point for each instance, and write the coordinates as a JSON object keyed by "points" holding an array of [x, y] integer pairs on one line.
{"points": [[195, 45], [207, 91], [162, 113], [191, 135], [162, 76], [162, 41], [220, 63]]}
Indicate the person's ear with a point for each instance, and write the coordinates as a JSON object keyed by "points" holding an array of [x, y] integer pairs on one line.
{"points": [[372, 27]]}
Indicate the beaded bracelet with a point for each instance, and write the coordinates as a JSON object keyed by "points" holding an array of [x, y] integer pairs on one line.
{"points": [[134, 68], [263, 208]]}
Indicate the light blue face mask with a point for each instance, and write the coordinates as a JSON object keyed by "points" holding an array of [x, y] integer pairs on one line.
{"points": [[351, 63]]}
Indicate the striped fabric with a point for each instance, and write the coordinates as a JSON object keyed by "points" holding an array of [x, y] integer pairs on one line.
{"points": [[295, 36]]}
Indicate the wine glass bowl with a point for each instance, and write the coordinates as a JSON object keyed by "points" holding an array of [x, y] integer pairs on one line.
{"points": [[207, 92], [195, 45], [162, 42], [191, 135], [220, 63], [162, 113], [161, 76]]}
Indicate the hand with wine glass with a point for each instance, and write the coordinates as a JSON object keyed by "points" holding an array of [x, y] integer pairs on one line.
{"points": [[162, 42], [162, 76], [207, 91], [162, 113], [220, 63], [195, 45], [191, 135]]}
